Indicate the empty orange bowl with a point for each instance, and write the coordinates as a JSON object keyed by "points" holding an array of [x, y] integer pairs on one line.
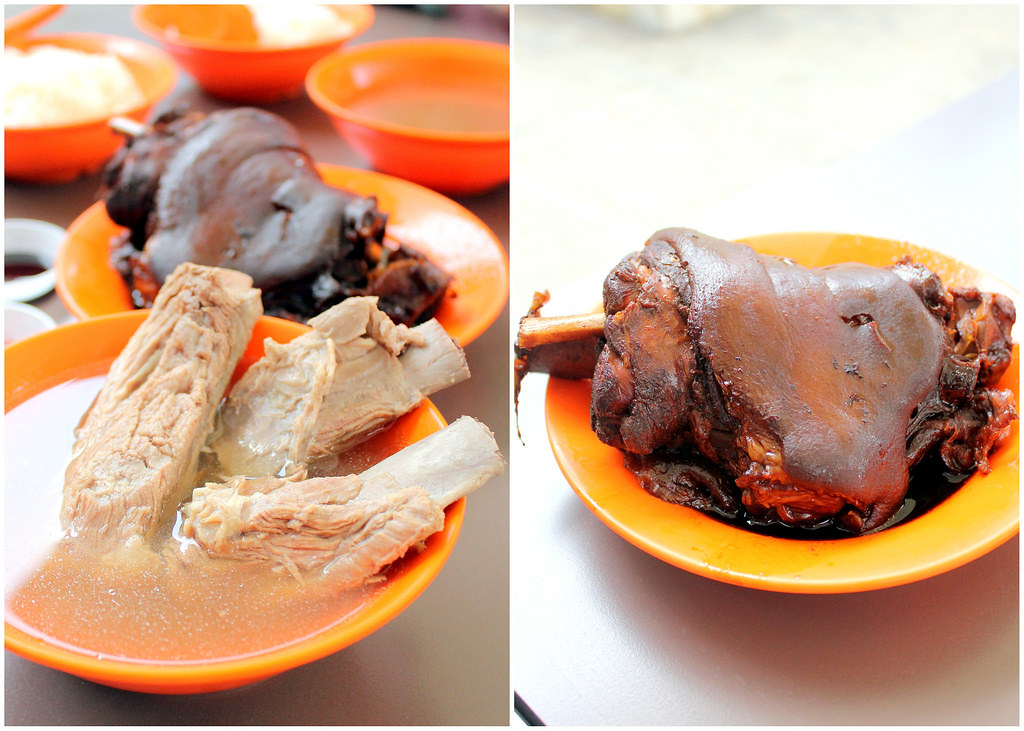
{"points": [[430, 110], [58, 153], [220, 46], [139, 658]]}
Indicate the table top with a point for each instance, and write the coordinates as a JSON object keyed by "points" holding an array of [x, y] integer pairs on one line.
{"points": [[612, 635], [443, 661]]}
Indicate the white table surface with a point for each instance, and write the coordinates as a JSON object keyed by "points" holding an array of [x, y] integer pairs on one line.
{"points": [[445, 660], [603, 633]]}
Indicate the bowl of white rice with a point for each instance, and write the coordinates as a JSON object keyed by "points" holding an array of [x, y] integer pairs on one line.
{"points": [[60, 91], [255, 53]]}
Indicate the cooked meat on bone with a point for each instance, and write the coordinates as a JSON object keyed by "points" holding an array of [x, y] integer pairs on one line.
{"points": [[266, 425], [345, 528], [749, 385], [315, 524], [235, 188], [381, 367], [137, 447]]}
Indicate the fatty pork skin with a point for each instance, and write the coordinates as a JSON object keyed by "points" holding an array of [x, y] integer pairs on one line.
{"points": [[236, 188], [741, 382]]}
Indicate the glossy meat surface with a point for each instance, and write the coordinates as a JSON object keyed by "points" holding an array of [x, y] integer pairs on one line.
{"points": [[236, 188], [812, 391]]}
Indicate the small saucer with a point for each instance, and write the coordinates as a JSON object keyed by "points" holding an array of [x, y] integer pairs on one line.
{"points": [[34, 243], [22, 320]]}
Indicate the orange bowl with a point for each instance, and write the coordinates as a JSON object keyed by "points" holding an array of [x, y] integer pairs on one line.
{"points": [[451, 236], [431, 110], [85, 349], [55, 154], [219, 46], [982, 514]]}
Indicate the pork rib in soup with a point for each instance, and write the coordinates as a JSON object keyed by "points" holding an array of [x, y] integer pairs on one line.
{"points": [[138, 446]]}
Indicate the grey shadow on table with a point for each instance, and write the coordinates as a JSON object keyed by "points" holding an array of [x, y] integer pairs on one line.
{"points": [[866, 655], [286, 699]]}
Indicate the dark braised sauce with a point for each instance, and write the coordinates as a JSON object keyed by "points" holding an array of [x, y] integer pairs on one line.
{"points": [[18, 266], [930, 484]]}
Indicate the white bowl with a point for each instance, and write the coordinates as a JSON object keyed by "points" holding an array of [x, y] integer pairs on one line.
{"points": [[30, 241], [22, 320]]}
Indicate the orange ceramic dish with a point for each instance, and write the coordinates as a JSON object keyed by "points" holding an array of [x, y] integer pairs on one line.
{"points": [[451, 236], [218, 45], [981, 515], [86, 349], [431, 110], [58, 154]]}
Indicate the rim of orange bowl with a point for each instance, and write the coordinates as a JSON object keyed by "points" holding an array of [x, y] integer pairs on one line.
{"points": [[170, 68], [495, 52], [402, 591], [196, 675], [363, 21]]}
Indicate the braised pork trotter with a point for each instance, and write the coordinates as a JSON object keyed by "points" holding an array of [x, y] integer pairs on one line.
{"points": [[759, 389]]}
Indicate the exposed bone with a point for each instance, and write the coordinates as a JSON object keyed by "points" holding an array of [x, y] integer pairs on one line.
{"points": [[448, 464], [128, 127], [535, 331], [350, 526], [436, 364], [565, 346]]}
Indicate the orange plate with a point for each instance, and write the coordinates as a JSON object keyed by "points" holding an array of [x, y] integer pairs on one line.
{"points": [[980, 516], [431, 110], [218, 46], [86, 349], [60, 153], [451, 236]]}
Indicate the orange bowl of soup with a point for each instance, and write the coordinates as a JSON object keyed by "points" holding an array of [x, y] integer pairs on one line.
{"points": [[229, 53], [431, 110], [144, 627]]}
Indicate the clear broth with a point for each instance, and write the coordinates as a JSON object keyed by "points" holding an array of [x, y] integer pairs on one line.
{"points": [[160, 605], [438, 109]]}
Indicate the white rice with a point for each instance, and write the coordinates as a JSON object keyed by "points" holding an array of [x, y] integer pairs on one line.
{"points": [[296, 24], [48, 86]]}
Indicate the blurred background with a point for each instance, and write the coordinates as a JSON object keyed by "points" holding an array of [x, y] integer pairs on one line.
{"points": [[628, 119]]}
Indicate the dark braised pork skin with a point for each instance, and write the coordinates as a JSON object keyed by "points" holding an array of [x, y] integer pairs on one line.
{"points": [[235, 188], [749, 385]]}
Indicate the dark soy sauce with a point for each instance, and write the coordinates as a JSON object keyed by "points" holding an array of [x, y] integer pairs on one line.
{"points": [[18, 266], [930, 484]]}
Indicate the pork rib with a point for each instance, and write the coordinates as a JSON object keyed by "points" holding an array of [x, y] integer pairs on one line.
{"points": [[138, 445], [384, 370], [346, 528], [266, 425]]}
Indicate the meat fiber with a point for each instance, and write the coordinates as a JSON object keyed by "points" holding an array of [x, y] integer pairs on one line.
{"points": [[236, 188], [137, 448], [266, 425], [346, 528], [384, 370], [310, 524]]}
